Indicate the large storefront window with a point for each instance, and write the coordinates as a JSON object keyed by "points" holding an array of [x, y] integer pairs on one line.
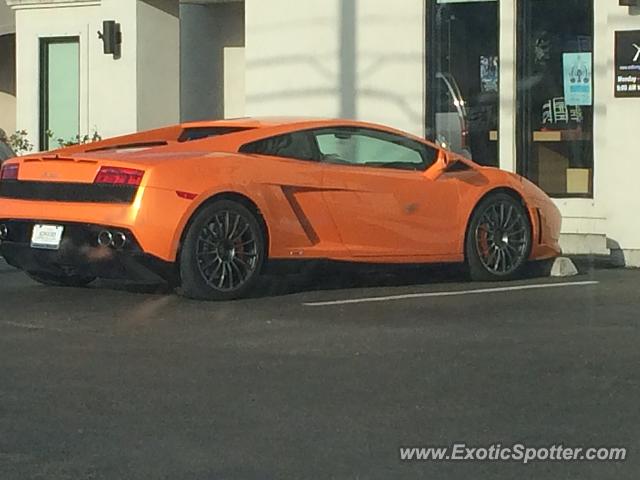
{"points": [[59, 89], [462, 100], [555, 95]]}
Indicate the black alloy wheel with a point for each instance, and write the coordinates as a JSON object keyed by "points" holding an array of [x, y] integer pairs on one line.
{"points": [[222, 253], [499, 238]]}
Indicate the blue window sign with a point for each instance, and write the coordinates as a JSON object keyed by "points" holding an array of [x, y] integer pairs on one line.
{"points": [[578, 78]]}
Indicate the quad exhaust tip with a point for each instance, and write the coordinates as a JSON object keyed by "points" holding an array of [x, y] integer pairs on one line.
{"points": [[116, 240], [105, 238], [119, 240]]}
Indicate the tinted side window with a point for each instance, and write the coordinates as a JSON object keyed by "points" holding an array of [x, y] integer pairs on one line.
{"points": [[296, 145], [197, 133], [373, 148]]}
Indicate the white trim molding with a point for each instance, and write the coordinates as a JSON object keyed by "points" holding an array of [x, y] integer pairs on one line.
{"points": [[28, 4]]}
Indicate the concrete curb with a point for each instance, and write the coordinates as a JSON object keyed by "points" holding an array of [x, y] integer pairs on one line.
{"points": [[563, 267]]}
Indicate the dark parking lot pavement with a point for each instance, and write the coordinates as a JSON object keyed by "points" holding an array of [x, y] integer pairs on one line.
{"points": [[318, 376]]}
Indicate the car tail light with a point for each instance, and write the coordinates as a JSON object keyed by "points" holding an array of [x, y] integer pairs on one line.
{"points": [[119, 176], [9, 171]]}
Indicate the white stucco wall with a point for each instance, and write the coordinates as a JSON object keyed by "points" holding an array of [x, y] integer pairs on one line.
{"points": [[234, 82], [7, 99], [110, 99], [158, 63], [212, 67], [354, 59], [107, 86], [391, 63], [617, 128]]}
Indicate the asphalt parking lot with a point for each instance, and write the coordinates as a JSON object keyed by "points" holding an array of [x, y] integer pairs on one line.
{"points": [[317, 377]]}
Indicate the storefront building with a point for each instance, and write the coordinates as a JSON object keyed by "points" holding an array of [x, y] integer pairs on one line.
{"points": [[7, 69], [543, 88]]}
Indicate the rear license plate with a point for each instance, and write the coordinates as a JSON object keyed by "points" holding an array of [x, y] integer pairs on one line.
{"points": [[47, 237]]}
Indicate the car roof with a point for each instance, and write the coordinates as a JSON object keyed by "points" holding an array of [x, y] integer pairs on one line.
{"points": [[284, 123], [250, 129], [254, 122]]}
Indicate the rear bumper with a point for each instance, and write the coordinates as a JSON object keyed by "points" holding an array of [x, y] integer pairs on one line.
{"points": [[80, 254], [155, 217]]}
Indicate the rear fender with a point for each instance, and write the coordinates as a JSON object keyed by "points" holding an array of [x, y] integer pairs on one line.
{"points": [[227, 189]]}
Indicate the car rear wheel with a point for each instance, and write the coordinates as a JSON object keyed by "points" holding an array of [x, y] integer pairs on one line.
{"points": [[60, 280], [222, 253], [499, 239]]}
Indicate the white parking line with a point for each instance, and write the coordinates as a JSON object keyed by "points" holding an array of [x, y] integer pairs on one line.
{"points": [[450, 294], [30, 326]]}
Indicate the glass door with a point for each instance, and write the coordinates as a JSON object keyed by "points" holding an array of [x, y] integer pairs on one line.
{"points": [[462, 77], [555, 95], [59, 90]]}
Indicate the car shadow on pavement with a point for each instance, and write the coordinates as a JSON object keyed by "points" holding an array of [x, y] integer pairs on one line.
{"points": [[323, 276], [342, 276], [318, 276]]}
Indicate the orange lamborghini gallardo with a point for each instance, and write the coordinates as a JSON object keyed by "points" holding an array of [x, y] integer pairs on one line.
{"points": [[206, 205]]}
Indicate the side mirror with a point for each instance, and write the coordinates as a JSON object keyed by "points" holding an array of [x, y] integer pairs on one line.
{"points": [[443, 161], [446, 159]]}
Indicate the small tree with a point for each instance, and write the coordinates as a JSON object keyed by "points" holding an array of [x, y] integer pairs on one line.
{"points": [[20, 143], [77, 140]]}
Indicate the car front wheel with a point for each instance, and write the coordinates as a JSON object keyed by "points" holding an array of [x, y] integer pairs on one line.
{"points": [[499, 239]]}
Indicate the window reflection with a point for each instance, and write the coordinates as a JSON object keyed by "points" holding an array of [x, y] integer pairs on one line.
{"points": [[555, 95], [463, 67]]}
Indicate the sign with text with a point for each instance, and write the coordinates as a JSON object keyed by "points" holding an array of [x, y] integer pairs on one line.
{"points": [[578, 81], [627, 57]]}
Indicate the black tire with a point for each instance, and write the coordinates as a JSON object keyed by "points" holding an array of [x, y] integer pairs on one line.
{"points": [[60, 280], [222, 252], [498, 239]]}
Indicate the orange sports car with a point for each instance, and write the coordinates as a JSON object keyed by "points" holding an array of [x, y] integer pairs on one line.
{"points": [[205, 205]]}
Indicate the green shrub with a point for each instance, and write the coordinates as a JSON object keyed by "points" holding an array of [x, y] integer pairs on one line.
{"points": [[20, 143]]}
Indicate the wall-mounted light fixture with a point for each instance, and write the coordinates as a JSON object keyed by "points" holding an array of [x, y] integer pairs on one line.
{"points": [[111, 37]]}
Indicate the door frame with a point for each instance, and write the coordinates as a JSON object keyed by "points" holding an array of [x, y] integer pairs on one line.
{"points": [[524, 142], [43, 84]]}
